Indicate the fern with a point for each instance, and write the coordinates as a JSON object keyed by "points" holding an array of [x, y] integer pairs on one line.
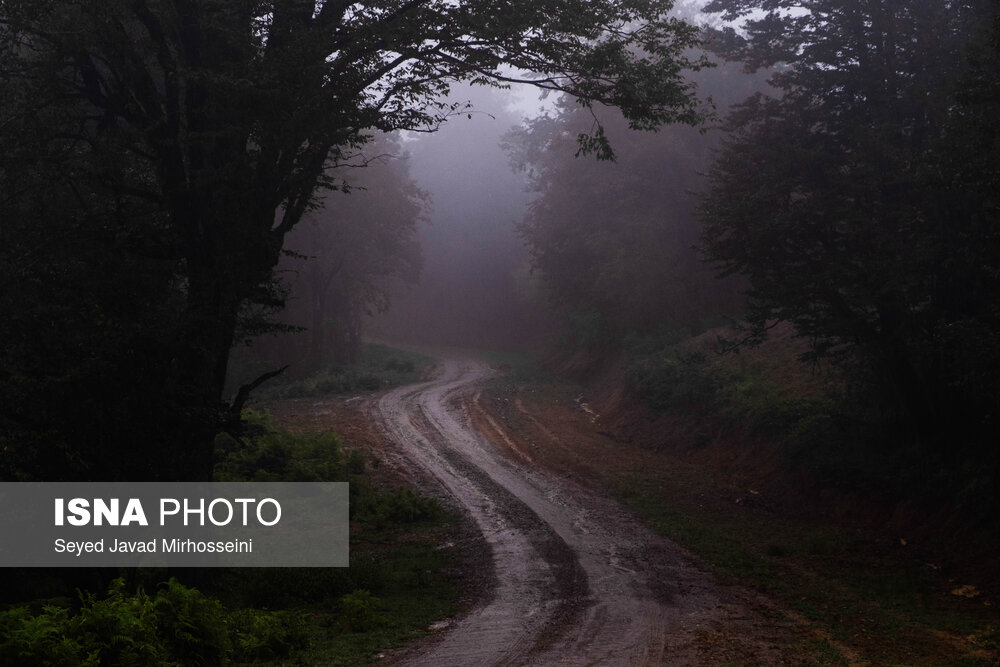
{"points": [[177, 626]]}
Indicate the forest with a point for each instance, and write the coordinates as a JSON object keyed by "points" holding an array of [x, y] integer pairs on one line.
{"points": [[846, 188], [203, 201]]}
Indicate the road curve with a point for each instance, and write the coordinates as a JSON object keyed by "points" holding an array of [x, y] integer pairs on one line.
{"points": [[578, 581]]}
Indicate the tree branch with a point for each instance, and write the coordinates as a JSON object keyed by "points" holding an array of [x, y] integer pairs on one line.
{"points": [[244, 393]]}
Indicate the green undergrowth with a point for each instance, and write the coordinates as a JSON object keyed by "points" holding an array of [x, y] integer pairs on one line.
{"points": [[767, 394], [814, 415], [872, 598], [377, 367], [174, 625], [397, 583], [517, 368], [867, 592], [400, 580], [870, 595]]}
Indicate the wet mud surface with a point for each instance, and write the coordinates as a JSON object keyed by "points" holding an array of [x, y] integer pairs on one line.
{"points": [[573, 578], [554, 572]]}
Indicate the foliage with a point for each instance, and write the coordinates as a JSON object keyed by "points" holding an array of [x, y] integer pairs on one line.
{"points": [[668, 376], [86, 310], [809, 427], [176, 626], [843, 205], [343, 259], [376, 367], [396, 554], [401, 506], [613, 241], [358, 612], [193, 626], [672, 373], [259, 635], [182, 141], [267, 454], [38, 639]]}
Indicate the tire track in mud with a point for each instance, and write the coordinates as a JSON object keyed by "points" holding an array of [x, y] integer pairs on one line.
{"points": [[538, 575], [575, 577]]}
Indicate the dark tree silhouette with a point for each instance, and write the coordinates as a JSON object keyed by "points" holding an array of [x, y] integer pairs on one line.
{"points": [[613, 242], [346, 258], [224, 116], [838, 203]]}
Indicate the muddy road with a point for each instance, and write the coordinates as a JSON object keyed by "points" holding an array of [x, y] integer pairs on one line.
{"points": [[575, 579]]}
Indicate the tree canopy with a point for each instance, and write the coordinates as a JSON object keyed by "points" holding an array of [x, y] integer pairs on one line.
{"points": [[842, 200], [613, 242], [344, 260], [195, 134]]}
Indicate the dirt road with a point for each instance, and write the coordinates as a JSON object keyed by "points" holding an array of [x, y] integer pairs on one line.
{"points": [[577, 580]]}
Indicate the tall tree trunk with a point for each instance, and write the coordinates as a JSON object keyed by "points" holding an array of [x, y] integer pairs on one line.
{"points": [[218, 283]]}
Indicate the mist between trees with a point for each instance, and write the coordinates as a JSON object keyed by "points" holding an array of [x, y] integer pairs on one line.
{"points": [[848, 188], [157, 154], [180, 178]]}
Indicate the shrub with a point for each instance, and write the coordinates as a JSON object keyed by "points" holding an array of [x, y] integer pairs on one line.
{"points": [[358, 612], [672, 378], [400, 506], [377, 366], [368, 382], [398, 365], [262, 635], [31, 640], [118, 630], [192, 626], [271, 455], [177, 626]]}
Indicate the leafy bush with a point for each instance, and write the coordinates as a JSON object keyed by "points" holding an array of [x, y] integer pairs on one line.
{"points": [[267, 635], [358, 612], [119, 630], [671, 377], [377, 366], [29, 640], [405, 576], [368, 382], [803, 423], [193, 627], [400, 506], [399, 365], [176, 626], [271, 455], [668, 375]]}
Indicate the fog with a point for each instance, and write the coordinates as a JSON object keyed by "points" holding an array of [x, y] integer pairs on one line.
{"points": [[475, 290], [770, 326]]}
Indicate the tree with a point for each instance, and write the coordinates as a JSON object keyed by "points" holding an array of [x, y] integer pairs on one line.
{"points": [[345, 258], [613, 242], [229, 114], [830, 198], [86, 301]]}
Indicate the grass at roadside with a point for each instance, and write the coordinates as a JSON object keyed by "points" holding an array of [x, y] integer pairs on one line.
{"points": [[402, 570], [398, 584], [377, 367], [873, 599], [402, 577], [868, 595]]}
